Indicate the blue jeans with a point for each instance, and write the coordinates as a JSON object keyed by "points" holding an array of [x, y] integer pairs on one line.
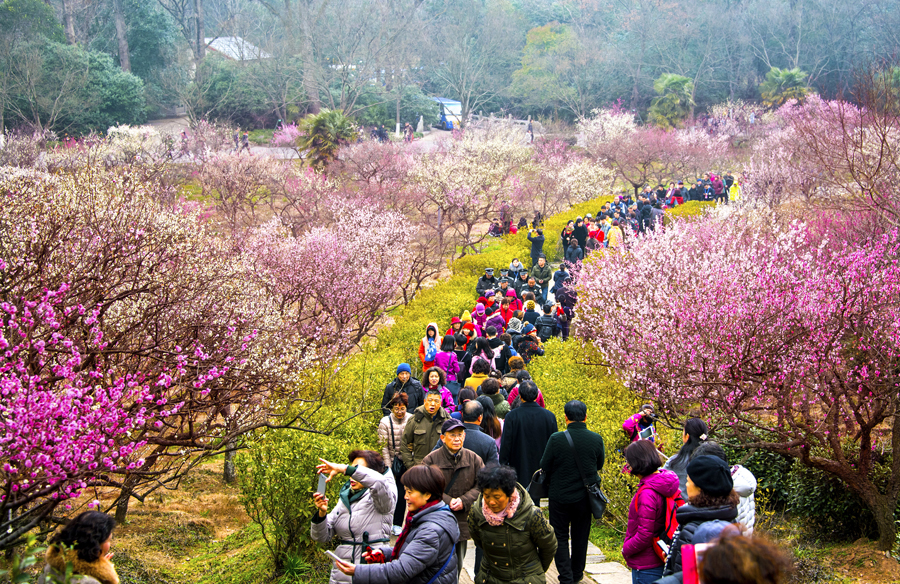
{"points": [[648, 576]]}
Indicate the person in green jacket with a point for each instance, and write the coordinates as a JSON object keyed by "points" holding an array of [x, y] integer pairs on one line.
{"points": [[517, 539], [423, 431], [566, 492], [543, 274]]}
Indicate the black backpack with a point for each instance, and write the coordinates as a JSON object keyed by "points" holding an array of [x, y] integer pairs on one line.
{"points": [[544, 330]]}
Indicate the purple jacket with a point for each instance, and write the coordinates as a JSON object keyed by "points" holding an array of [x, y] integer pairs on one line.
{"points": [[496, 320], [447, 361], [646, 521]]}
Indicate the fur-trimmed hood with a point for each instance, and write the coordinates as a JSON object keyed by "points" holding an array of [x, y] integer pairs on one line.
{"points": [[101, 570]]}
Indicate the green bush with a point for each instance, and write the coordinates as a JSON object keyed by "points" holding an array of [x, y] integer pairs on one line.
{"points": [[689, 210]]}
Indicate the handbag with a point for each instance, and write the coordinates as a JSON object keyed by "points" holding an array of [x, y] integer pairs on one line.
{"points": [[597, 499], [397, 466], [537, 488]]}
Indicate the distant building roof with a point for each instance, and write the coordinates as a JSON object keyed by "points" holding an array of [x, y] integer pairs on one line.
{"points": [[236, 49]]}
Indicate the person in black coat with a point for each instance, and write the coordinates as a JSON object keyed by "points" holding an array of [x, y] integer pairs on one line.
{"points": [[580, 233], [403, 383], [526, 431], [536, 237], [476, 440]]}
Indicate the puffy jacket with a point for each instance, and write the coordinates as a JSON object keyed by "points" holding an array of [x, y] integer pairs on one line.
{"points": [[101, 571], [367, 520], [433, 533], [690, 519], [391, 445], [412, 388], [497, 321], [574, 255], [485, 284], [519, 550], [646, 519], [421, 434], [745, 487]]}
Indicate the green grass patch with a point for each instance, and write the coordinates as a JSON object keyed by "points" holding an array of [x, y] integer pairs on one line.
{"points": [[609, 540], [261, 137]]}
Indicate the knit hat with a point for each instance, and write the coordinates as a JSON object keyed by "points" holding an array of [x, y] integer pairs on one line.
{"points": [[529, 305], [515, 325], [516, 362], [403, 367], [711, 474], [528, 327], [466, 317], [482, 300], [511, 293], [454, 320], [479, 308]]}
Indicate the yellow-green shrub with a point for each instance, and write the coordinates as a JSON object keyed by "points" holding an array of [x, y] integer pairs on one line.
{"points": [[690, 209]]}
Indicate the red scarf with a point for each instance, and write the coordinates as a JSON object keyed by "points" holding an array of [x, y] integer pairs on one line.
{"points": [[409, 516]]}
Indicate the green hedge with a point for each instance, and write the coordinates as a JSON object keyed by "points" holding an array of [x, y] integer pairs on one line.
{"points": [[689, 210]]}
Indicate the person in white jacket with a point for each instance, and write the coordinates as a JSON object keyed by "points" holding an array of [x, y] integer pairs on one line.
{"points": [[744, 485], [363, 516]]}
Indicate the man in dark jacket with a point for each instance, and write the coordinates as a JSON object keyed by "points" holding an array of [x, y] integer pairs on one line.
{"points": [[476, 440], [521, 282], [486, 283], [574, 254], [403, 383], [568, 497], [533, 287], [423, 430], [526, 431], [536, 237], [580, 233], [542, 275], [546, 324], [460, 467]]}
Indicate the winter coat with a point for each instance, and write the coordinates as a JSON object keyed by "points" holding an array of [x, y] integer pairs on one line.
{"points": [[531, 316], [546, 327], [432, 536], [421, 434], [646, 519], [486, 284], [447, 361], [101, 571], [690, 519], [574, 254], [520, 284], [423, 346], [537, 291], [502, 354], [566, 483], [528, 348], [514, 393], [501, 406], [581, 234], [519, 550], [474, 380], [537, 245], [633, 426], [412, 388], [497, 321], [468, 463], [481, 444], [539, 273], [514, 271], [745, 487], [392, 444], [367, 520], [559, 277], [526, 431]]}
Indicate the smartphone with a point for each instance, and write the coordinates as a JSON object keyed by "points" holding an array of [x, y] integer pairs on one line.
{"points": [[334, 556], [322, 485]]}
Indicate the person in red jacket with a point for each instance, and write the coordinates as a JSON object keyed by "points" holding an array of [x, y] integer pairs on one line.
{"points": [[429, 347]]}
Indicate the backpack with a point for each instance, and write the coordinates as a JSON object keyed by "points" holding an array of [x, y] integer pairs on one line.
{"points": [[663, 540], [545, 331]]}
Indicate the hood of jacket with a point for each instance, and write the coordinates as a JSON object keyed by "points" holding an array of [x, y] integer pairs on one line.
{"points": [[433, 326], [519, 521], [515, 325], [495, 342], [664, 482], [744, 481]]}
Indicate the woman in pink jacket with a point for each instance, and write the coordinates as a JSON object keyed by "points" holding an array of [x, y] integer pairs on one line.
{"points": [[646, 513]]}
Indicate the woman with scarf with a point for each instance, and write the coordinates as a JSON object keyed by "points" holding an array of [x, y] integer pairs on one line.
{"points": [[517, 540], [425, 550], [429, 347], [84, 544], [364, 514]]}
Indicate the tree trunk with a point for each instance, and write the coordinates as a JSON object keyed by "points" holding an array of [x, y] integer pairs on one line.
{"points": [[883, 509], [200, 38], [121, 36], [68, 21], [122, 506], [229, 474]]}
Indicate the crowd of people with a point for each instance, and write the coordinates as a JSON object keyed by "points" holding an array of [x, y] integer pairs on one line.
{"points": [[460, 449]]}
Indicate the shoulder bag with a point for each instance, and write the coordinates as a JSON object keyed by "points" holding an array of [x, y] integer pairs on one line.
{"points": [[596, 498], [397, 466], [537, 488]]}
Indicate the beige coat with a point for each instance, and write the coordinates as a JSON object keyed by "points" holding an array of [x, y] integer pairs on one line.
{"points": [[101, 571], [391, 446]]}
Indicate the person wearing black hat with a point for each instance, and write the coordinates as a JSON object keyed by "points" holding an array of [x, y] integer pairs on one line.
{"points": [[712, 506], [460, 467], [487, 283], [521, 282]]}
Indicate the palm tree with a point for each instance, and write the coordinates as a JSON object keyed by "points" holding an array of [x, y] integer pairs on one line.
{"points": [[322, 134], [783, 85], [675, 100]]}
